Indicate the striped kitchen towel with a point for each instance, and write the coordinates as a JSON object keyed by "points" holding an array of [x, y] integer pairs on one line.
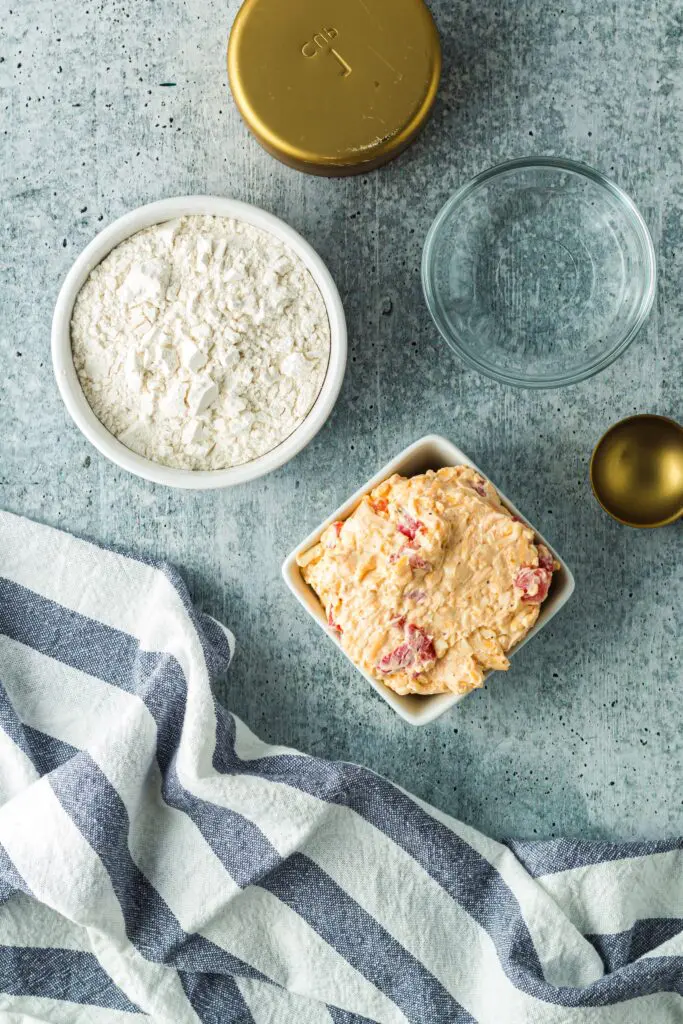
{"points": [[158, 861]]}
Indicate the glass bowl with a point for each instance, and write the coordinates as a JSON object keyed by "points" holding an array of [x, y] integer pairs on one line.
{"points": [[539, 272]]}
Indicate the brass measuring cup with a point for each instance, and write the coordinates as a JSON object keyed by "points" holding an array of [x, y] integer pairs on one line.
{"points": [[636, 471]]}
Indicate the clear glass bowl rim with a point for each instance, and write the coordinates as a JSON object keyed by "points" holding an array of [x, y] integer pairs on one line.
{"points": [[648, 272]]}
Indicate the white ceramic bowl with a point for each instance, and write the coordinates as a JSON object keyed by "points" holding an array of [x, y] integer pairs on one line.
{"points": [[69, 385], [431, 452]]}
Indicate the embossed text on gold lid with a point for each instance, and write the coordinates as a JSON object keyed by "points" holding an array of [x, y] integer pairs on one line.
{"points": [[334, 86]]}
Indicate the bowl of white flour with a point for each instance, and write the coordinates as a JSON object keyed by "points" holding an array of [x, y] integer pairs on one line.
{"points": [[199, 342]]}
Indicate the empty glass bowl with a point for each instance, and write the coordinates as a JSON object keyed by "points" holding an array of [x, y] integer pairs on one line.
{"points": [[539, 272]]}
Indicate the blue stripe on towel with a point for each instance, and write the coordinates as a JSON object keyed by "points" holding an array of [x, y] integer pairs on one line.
{"points": [[66, 974], [43, 751], [550, 856], [10, 722], [10, 879], [345, 1017], [67, 636], [362, 941], [47, 752], [97, 810], [214, 642], [215, 998], [623, 948]]}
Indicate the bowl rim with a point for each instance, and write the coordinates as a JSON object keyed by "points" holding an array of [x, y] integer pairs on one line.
{"points": [[69, 385], [434, 448], [636, 221]]}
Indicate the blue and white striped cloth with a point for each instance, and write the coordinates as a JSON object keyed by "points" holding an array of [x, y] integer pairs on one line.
{"points": [[157, 860]]}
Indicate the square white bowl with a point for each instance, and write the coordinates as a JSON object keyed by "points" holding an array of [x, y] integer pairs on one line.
{"points": [[430, 452]]}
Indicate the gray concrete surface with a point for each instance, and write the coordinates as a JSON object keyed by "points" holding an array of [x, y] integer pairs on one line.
{"points": [[582, 736]]}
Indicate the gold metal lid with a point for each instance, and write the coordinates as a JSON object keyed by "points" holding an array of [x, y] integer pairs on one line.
{"points": [[334, 86]]}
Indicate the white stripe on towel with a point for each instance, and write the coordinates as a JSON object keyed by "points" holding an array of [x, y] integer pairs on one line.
{"points": [[16, 768], [605, 898], [269, 1005], [38, 1010]]}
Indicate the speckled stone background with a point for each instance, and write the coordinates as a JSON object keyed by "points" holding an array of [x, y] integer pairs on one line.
{"points": [[110, 104]]}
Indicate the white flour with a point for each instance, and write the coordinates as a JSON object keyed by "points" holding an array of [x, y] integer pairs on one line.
{"points": [[201, 343]]}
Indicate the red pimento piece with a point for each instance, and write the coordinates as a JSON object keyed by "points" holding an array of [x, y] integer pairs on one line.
{"points": [[379, 506], [337, 529], [416, 595], [423, 644], [402, 657], [409, 526], [480, 489], [534, 582], [399, 622], [417, 647], [333, 624], [545, 559], [416, 561]]}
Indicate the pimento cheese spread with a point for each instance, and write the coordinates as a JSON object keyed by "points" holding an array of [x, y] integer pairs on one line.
{"points": [[430, 581]]}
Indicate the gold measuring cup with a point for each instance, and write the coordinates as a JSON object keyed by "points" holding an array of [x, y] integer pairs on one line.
{"points": [[637, 471]]}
